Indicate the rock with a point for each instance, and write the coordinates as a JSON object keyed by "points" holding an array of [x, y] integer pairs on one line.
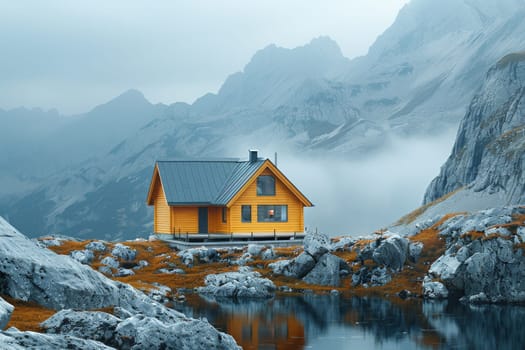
{"points": [[326, 271], [243, 260], [83, 256], [121, 272], [296, 268], [254, 249], [141, 332], [445, 267], [138, 331], [414, 251], [500, 231], [203, 254], [521, 233], [123, 252], [334, 292], [344, 243], [110, 262], [32, 273], [96, 246], [316, 244], [404, 294], [13, 339], [434, 290], [106, 270], [6, 310], [141, 264], [268, 254], [379, 276], [171, 271], [50, 242], [94, 325], [392, 252], [238, 285]]}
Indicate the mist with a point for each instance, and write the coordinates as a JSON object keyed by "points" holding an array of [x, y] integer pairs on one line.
{"points": [[356, 197]]}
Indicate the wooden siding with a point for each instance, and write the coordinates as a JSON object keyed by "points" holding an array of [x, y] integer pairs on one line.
{"points": [[161, 212], [185, 219], [215, 224], [283, 196]]}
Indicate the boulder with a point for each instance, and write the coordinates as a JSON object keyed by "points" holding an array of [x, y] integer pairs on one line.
{"points": [[316, 244], [296, 268], [414, 251], [142, 332], [13, 339], [434, 290], [122, 272], [96, 246], [83, 256], [254, 249], [241, 284], [6, 310], [123, 252], [94, 325], [110, 262], [203, 254], [326, 271], [268, 254], [391, 252]]}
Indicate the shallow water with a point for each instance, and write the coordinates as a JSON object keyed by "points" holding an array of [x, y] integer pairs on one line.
{"points": [[332, 322]]}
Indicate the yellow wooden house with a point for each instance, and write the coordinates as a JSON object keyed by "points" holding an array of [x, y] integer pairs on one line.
{"points": [[226, 196]]}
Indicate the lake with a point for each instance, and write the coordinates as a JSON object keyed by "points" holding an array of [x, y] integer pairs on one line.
{"points": [[334, 322]]}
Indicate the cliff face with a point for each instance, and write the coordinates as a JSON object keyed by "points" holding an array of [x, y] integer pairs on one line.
{"points": [[489, 153]]}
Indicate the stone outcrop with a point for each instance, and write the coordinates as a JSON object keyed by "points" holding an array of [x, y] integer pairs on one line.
{"points": [[489, 268], [489, 151], [136, 331], [241, 284], [315, 265], [31, 273]]}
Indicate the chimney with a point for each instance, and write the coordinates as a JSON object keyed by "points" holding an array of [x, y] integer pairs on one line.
{"points": [[252, 155]]}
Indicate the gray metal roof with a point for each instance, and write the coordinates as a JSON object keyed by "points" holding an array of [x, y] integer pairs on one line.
{"points": [[207, 182]]}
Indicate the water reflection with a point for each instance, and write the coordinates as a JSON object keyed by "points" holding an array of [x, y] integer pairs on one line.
{"points": [[321, 322]]}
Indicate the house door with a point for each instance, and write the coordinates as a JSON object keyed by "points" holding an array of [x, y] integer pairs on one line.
{"points": [[203, 220]]}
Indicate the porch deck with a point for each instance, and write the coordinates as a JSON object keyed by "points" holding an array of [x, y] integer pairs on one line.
{"points": [[222, 240]]}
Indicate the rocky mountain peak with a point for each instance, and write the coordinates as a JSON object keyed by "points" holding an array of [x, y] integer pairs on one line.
{"points": [[489, 152]]}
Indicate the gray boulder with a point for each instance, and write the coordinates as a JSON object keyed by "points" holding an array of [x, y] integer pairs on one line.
{"points": [[92, 325], [202, 254], [13, 339], [434, 290], [110, 262], [327, 271], [391, 252], [6, 310], [316, 244], [123, 252], [414, 251], [96, 246], [122, 272], [142, 332], [254, 249], [268, 254], [242, 284], [83, 256], [296, 268]]}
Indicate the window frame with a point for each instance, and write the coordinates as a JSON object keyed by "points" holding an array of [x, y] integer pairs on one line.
{"points": [[243, 220], [224, 215], [261, 208], [260, 187]]}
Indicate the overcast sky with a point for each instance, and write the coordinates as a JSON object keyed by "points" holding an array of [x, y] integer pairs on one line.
{"points": [[73, 55]]}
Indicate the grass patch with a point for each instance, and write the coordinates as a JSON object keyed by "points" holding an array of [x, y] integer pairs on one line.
{"points": [[28, 315]]}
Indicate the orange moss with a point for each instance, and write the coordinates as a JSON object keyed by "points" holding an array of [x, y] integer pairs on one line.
{"points": [[27, 315]]}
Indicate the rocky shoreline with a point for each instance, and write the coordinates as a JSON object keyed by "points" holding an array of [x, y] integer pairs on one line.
{"points": [[476, 258]]}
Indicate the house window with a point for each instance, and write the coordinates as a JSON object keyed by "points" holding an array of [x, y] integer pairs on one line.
{"points": [[266, 185], [272, 213], [224, 214], [246, 213]]}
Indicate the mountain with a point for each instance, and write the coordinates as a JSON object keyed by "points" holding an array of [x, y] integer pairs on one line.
{"points": [[417, 79], [487, 164]]}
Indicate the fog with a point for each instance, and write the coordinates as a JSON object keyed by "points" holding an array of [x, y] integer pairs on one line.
{"points": [[355, 197]]}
